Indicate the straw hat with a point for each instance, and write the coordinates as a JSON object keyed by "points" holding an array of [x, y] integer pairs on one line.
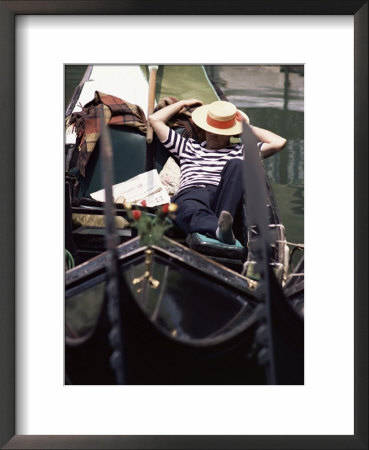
{"points": [[220, 118]]}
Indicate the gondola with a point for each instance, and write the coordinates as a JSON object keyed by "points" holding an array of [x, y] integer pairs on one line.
{"points": [[184, 310]]}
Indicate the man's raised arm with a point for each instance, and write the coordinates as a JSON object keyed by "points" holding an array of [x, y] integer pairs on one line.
{"points": [[272, 143], [159, 118]]}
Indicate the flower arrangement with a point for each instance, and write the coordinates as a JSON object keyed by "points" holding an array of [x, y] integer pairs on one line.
{"points": [[150, 227]]}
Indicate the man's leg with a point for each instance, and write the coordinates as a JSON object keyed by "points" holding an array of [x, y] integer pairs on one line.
{"points": [[229, 192], [194, 214], [226, 199]]}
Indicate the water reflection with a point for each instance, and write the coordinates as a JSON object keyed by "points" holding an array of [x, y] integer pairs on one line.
{"points": [[73, 75]]}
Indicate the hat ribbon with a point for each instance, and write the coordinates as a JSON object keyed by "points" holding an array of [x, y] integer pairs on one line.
{"points": [[226, 123]]}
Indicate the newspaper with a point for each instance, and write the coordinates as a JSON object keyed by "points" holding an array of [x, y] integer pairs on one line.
{"points": [[146, 186]]}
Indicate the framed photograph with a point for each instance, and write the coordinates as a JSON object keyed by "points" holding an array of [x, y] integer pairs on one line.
{"points": [[40, 40], [146, 178]]}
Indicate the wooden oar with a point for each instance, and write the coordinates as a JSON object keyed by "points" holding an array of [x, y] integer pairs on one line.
{"points": [[151, 101]]}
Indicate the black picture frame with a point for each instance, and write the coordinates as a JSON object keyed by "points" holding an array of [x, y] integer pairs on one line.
{"points": [[8, 11]]}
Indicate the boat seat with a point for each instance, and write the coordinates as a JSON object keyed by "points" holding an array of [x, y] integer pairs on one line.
{"points": [[213, 247], [129, 159]]}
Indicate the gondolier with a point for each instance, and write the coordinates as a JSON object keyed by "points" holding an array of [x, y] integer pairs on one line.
{"points": [[211, 185]]}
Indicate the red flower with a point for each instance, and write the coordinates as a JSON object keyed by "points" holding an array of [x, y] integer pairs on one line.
{"points": [[165, 208], [143, 203], [136, 214]]}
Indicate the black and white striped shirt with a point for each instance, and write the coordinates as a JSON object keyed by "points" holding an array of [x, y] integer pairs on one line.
{"points": [[199, 166]]}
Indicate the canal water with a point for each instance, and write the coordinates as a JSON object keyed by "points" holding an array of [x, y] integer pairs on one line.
{"points": [[273, 98]]}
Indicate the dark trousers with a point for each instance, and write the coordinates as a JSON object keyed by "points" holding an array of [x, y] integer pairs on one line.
{"points": [[200, 207]]}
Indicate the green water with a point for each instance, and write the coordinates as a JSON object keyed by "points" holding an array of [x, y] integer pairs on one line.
{"points": [[72, 77], [273, 98]]}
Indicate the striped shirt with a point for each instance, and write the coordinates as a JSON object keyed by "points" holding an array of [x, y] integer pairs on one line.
{"points": [[199, 166]]}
